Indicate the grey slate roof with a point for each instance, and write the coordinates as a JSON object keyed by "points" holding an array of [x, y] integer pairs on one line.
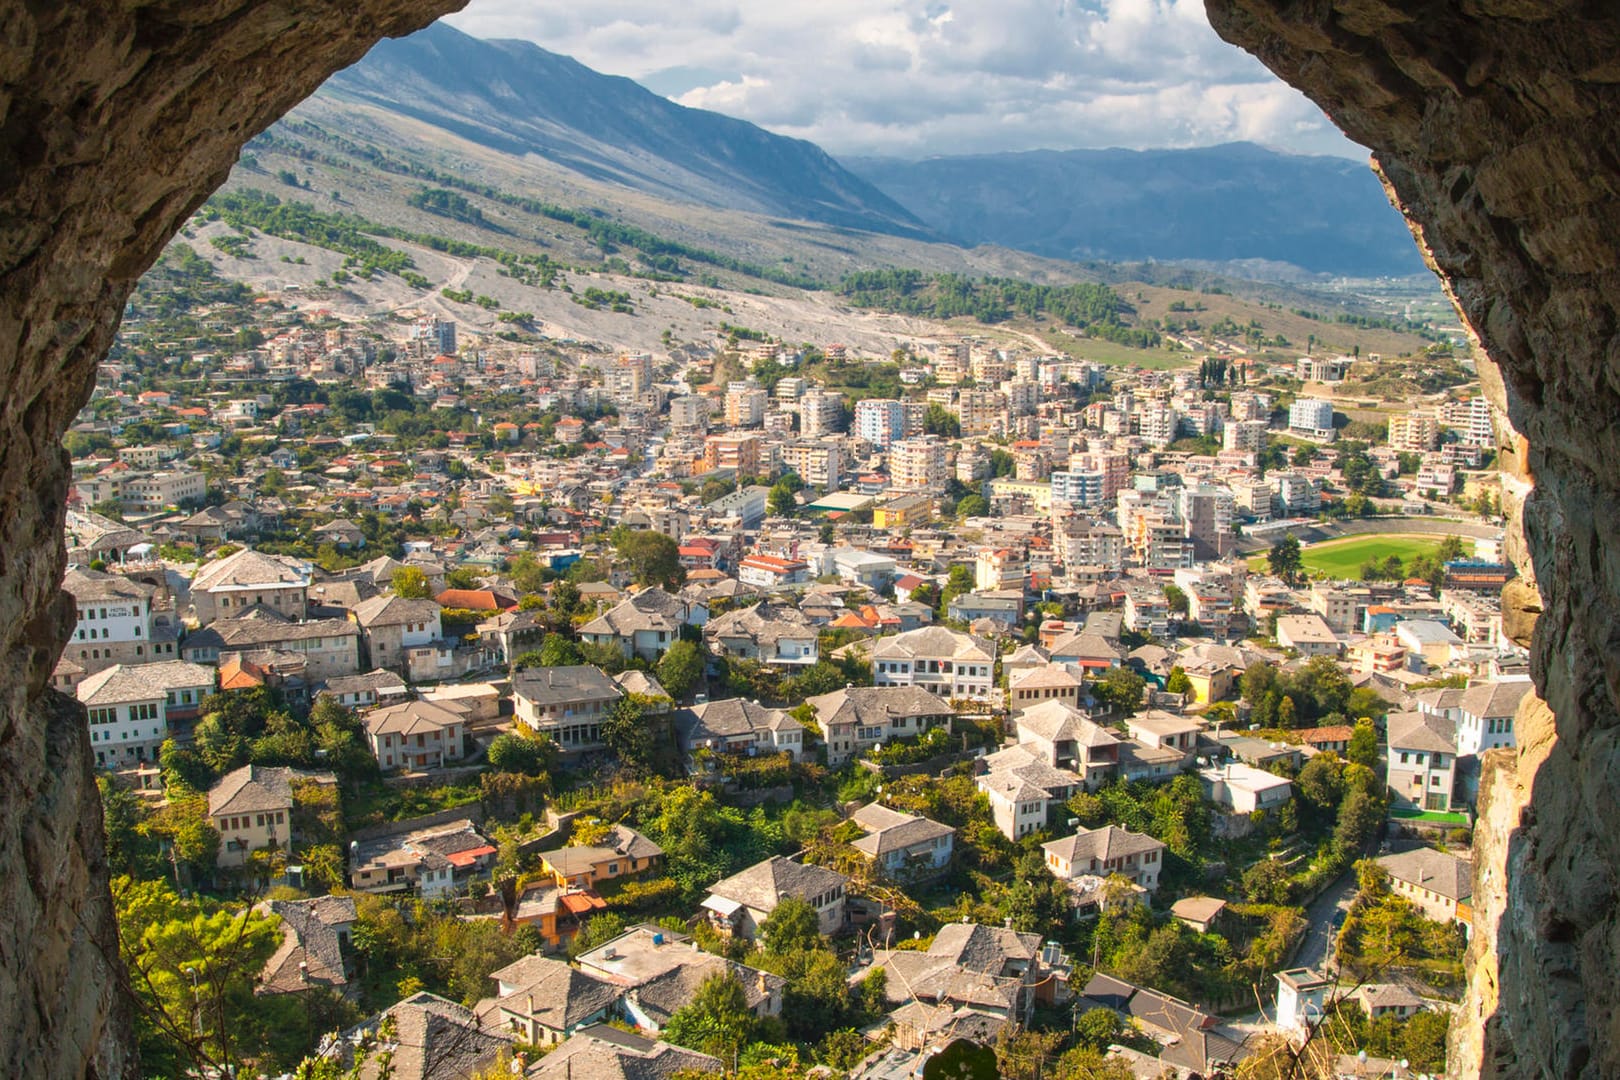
{"points": [[143, 682], [1435, 871], [547, 686], [601, 1052], [251, 789], [764, 884]]}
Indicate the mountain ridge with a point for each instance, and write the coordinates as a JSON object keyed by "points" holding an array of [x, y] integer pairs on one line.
{"points": [[519, 99], [1216, 204]]}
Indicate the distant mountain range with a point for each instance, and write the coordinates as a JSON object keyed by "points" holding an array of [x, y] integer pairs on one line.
{"points": [[1236, 208], [516, 98], [1220, 204]]}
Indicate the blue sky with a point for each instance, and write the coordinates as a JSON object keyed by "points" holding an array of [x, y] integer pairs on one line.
{"points": [[922, 77]]}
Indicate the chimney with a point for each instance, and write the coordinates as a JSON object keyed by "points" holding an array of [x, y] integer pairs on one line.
{"points": [[764, 984]]}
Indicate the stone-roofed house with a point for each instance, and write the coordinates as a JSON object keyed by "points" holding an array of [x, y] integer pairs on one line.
{"points": [[1421, 766], [1190, 1040], [859, 717], [1066, 738], [131, 707], [1024, 788], [330, 647], [1387, 999], [416, 734], [945, 662], [905, 847], [1107, 851], [767, 631], [544, 1001], [314, 937], [738, 905], [248, 578], [1030, 686], [379, 687], [567, 704], [1485, 713], [114, 621], [660, 972], [431, 1039], [392, 625], [984, 969], [737, 726], [601, 1052], [511, 633], [644, 625], [1439, 883], [251, 807], [432, 859]]}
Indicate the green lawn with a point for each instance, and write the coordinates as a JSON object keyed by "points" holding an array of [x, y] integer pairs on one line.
{"points": [[1342, 558], [1431, 817]]}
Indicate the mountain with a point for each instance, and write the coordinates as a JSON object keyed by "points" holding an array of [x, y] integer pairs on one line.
{"points": [[1232, 204], [518, 99]]}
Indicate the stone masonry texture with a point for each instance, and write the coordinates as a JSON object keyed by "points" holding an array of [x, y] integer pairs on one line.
{"points": [[116, 120]]}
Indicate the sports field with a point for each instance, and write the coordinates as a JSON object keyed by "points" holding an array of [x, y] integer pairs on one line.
{"points": [[1342, 558]]}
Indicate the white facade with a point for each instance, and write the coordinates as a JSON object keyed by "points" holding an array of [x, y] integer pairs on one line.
{"points": [[880, 421]]}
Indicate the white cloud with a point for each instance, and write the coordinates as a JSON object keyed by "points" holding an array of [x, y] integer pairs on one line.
{"points": [[938, 76]]}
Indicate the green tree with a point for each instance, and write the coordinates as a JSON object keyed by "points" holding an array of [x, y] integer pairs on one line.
{"points": [[1176, 599], [957, 582], [627, 733], [1266, 882], [1363, 749], [653, 558], [972, 506], [792, 927], [410, 583], [680, 669], [1178, 682], [1035, 901], [1360, 816], [1284, 559], [558, 651], [1286, 718], [716, 1021], [1098, 1028], [510, 752], [1120, 690], [781, 499]]}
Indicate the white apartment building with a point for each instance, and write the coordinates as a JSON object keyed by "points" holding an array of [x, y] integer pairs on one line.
{"points": [[880, 421], [114, 621], [1311, 418], [1244, 435], [1083, 489], [821, 412], [1159, 424], [745, 404]]}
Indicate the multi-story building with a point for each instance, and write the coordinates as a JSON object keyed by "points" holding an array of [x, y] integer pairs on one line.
{"points": [[981, 412], [391, 625], [689, 412], [251, 808], [879, 421], [742, 453], [739, 905], [819, 463], [416, 734], [1422, 765], [1311, 418], [129, 708], [919, 464], [1077, 489], [821, 412], [567, 704], [1416, 432], [1296, 494], [228, 586], [745, 404], [1091, 544], [944, 662], [1160, 424], [1206, 511], [1105, 852], [157, 490], [1115, 466], [115, 624], [329, 647], [1247, 435], [855, 719]]}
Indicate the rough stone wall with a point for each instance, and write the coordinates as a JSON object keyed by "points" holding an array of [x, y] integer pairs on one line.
{"points": [[1494, 124], [116, 119]]}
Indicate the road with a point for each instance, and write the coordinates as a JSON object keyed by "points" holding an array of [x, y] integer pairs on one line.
{"points": [[1319, 919]]}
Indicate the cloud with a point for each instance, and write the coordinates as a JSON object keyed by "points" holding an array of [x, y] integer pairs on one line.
{"points": [[918, 77]]}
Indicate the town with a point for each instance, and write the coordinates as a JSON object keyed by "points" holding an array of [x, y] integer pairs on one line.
{"points": [[491, 704]]}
